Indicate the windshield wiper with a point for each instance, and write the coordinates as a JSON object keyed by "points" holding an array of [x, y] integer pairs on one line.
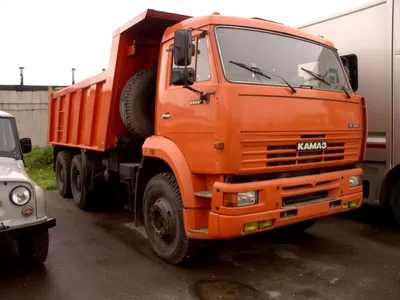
{"points": [[320, 77], [287, 83], [262, 73], [250, 68], [347, 93], [317, 76]]}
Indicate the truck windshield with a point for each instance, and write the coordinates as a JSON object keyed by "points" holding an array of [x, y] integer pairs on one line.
{"points": [[301, 63], [8, 141]]}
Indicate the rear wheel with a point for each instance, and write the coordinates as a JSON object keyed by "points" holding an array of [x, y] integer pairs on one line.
{"points": [[163, 220], [80, 192], [34, 248], [63, 168]]}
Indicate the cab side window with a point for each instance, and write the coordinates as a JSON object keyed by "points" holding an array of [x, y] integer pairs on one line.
{"points": [[199, 62], [202, 63]]}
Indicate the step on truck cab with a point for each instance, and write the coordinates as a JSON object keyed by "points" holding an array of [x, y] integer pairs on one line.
{"points": [[22, 202], [216, 126]]}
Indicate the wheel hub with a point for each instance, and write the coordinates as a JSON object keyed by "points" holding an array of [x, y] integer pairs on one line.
{"points": [[162, 220]]}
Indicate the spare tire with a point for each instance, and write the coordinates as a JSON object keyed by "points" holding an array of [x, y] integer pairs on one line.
{"points": [[137, 104]]}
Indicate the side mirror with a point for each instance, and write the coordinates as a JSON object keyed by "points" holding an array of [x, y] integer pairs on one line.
{"points": [[180, 77], [26, 145], [351, 62], [183, 47]]}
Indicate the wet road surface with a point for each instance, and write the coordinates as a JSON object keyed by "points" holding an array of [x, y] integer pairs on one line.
{"points": [[99, 256]]}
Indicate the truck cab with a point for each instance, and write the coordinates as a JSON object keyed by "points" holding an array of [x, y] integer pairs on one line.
{"points": [[22, 202]]}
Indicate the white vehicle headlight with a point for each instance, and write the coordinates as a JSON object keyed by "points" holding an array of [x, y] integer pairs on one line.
{"points": [[20, 195], [355, 180], [246, 198]]}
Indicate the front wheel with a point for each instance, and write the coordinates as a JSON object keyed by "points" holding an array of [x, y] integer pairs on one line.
{"points": [[34, 248], [163, 220]]}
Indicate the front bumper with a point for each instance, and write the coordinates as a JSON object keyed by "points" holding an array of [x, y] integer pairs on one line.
{"points": [[228, 222], [14, 232]]}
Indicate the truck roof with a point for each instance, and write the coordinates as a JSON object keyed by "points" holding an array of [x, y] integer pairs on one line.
{"points": [[154, 23], [256, 23], [4, 114]]}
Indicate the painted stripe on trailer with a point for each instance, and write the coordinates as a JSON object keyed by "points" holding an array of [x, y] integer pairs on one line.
{"points": [[376, 133], [376, 146], [376, 140]]}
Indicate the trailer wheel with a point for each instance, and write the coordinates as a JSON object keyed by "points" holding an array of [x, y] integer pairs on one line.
{"points": [[63, 168], [392, 205], [81, 193], [34, 248], [163, 220], [137, 103]]}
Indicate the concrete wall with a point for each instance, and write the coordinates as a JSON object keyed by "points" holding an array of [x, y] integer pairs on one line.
{"points": [[29, 105]]}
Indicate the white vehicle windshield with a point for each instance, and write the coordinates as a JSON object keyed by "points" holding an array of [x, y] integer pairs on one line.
{"points": [[301, 63], [8, 140]]}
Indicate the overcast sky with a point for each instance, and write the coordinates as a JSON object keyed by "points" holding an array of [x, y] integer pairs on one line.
{"points": [[49, 37]]}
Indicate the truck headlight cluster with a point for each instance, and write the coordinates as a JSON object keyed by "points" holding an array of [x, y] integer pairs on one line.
{"points": [[20, 195], [355, 180], [241, 199]]}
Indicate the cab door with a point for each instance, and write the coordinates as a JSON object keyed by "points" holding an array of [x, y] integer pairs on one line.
{"points": [[184, 119]]}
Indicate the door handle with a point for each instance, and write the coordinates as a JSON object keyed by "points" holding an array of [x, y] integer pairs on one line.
{"points": [[165, 116]]}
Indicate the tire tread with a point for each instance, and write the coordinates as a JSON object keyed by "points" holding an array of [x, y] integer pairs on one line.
{"points": [[188, 250], [66, 158], [137, 103]]}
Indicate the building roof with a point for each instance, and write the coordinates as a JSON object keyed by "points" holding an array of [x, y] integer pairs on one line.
{"points": [[28, 88]]}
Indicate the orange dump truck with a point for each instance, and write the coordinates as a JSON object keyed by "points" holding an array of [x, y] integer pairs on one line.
{"points": [[213, 127]]}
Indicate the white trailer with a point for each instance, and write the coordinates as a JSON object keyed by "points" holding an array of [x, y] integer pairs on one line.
{"points": [[369, 38]]}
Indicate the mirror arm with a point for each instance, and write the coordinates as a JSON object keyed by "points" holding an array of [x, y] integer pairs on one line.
{"points": [[203, 97], [203, 31]]}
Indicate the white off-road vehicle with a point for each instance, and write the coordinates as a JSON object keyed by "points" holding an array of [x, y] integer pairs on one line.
{"points": [[22, 202]]}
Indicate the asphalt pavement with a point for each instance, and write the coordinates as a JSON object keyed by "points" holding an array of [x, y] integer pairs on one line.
{"points": [[98, 255]]}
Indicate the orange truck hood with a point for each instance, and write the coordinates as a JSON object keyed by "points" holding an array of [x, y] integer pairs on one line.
{"points": [[269, 124]]}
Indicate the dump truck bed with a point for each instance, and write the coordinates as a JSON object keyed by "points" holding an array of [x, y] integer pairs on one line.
{"points": [[86, 114]]}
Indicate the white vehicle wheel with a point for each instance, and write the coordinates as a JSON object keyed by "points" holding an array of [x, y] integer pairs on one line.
{"points": [[34, 247]]}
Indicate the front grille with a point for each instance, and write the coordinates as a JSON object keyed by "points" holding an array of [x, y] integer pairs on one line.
{"points": [[278, 150], [291, 152], [304, 198], [300, 157]]}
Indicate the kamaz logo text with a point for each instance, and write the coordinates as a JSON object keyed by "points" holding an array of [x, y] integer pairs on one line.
{"points": [[311, 146]]}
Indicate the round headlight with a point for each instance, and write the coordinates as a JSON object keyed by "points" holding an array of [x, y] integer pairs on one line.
{"points": [[20, 195]]}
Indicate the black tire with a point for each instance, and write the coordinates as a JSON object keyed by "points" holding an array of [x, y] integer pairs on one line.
{"points": [[63, 168], [299, 227], [34, 248], [137, 104], [392, 205], [80, 192], [175, 248]]}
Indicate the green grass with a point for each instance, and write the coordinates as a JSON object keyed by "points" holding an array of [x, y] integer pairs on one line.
{"points": [[40, 165]]}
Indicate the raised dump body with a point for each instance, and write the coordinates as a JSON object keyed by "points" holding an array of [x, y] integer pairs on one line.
{"points": [[86, 114], [214, 127]]}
